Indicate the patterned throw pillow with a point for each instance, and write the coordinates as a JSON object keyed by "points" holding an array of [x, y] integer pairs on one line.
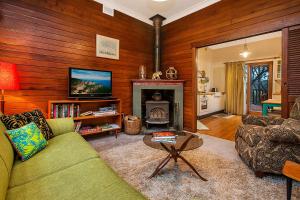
{"points": [[288, 132], [19, 120], [27, 140]]}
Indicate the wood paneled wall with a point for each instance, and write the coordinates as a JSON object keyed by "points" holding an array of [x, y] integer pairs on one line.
{"points": [[224, 21], [45, 38]]}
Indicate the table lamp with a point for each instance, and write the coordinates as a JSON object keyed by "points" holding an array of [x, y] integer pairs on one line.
{"points": [[9, 80]]}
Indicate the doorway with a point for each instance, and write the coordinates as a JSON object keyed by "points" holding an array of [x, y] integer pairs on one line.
{"points": [[263, 62], [260, 84]]}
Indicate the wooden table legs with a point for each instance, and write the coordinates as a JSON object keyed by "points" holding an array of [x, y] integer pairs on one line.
{"points": [[192, 167], [289, 185], [175, 154], [292, 172], [160, 166]]}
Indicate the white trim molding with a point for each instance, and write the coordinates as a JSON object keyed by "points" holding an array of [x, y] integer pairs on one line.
{"points": [[199, 6], [126, 11], [140, 16]]}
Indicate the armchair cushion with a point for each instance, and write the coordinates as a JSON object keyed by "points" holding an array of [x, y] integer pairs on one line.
{"points": [[288, 132], [251, 134], [261, 121], [61, 126]]}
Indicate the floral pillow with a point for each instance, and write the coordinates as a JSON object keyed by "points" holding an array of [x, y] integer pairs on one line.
{"points": [[27, 140]]}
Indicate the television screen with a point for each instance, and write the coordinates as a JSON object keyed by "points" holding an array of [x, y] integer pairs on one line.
{"points": [[89, 83]]}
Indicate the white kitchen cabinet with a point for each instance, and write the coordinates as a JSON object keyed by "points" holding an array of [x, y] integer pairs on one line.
{"points": [[215, 103]]}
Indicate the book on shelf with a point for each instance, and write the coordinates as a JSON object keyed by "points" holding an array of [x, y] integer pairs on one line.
{"points": [[115, 126], [77, 126], [96, 129], [61, 110], [106, 127], [98, 113], [64, 110], [103, 113], [107, 109], [90, 129], [87, 113]]}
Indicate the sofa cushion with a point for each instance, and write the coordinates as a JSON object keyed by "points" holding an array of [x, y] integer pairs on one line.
{"points": [[91, 179], [288, 132], [6, 161], [27, 140], [19, 120], [62, 152], [4, 179], [61, 125], [6, 150]]}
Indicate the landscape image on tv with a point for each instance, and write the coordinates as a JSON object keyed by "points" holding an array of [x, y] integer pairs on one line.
{"points": [[90, 82]]}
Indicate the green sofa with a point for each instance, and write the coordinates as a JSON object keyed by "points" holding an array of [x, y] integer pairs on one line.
{"points": [[68, 168]]}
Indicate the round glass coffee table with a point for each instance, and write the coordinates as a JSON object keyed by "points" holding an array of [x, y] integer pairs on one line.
{"points": [[184, 142]]}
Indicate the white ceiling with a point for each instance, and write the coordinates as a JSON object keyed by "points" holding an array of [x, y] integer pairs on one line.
{"points": [[247, 40], [144, 9]]}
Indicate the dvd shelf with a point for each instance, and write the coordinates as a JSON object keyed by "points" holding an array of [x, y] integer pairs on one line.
{"points": [[90, 116], [64, 110]]}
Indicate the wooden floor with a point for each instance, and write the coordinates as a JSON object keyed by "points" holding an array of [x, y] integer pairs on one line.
{"points": [[221, 127]]}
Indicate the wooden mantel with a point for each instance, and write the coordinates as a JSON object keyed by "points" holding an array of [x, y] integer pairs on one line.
{"points": [[157, 82]]}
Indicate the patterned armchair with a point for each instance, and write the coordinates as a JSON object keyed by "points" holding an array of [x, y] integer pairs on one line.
{"points": [[265, 143]]}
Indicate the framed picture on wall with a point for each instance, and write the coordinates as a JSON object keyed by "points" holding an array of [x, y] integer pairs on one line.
{"points": [[107, 47]]}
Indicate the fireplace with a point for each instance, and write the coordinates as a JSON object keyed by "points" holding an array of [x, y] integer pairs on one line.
{"points": [[165, 113], [157, 112]]}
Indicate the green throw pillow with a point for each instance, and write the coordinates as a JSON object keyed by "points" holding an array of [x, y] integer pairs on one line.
{"points": [[27, 140]]}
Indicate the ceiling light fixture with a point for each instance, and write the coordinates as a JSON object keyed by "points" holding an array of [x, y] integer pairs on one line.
{"points": [[245, 53]]}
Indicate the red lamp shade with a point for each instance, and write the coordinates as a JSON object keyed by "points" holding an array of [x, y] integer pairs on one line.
{"points": [[9, 79]]}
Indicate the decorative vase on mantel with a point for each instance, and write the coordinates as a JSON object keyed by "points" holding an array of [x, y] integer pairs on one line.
{"points": [[142, 72]]}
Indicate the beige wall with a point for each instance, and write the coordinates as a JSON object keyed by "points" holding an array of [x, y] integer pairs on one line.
{"points": [[205, 62], [212, 60]]}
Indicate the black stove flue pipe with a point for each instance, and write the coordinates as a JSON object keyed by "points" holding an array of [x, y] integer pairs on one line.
{"points": [[157, 22]]}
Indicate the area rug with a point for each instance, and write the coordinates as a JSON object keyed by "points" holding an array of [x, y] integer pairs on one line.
{"points": [[201, 126], [228, 177]]}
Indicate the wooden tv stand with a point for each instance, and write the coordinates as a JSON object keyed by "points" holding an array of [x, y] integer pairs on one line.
{"points": [[90, 120]]}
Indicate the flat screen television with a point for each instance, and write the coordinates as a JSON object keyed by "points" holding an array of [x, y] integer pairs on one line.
{"points": [[86, 83]]}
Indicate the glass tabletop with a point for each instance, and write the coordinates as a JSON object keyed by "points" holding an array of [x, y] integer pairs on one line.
{"points": [[184, 142]]}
